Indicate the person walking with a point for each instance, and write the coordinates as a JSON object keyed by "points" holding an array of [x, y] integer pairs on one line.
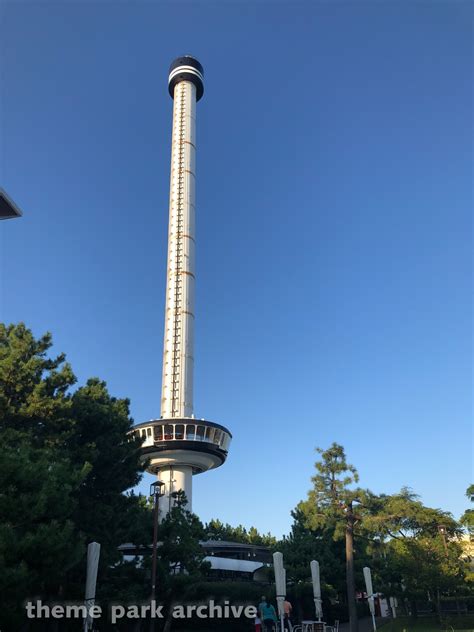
{"points": [[287, 609], [269, 617]]}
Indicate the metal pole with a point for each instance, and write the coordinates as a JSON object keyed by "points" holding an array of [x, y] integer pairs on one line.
{"points": [[445, 543], [153, 563], [442, 532]]}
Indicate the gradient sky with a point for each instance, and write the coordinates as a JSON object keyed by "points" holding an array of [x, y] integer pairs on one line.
{"points": [[333, 224]]}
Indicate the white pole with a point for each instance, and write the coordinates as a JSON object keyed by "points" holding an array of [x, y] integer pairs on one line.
{"points": [[93, 554], [315, 577], [370, 594], [280, 583], [393, 606]]}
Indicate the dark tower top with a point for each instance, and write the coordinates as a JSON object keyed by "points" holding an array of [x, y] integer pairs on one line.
{"points": [[186, 68]]}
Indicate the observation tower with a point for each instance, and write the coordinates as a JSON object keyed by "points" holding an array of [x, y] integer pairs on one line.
{"points": [[177, 444]]}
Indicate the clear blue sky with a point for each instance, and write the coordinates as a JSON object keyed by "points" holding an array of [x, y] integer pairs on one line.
{"points": [[334, 201]]}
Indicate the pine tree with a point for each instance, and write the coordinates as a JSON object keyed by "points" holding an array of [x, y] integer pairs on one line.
{"points": [[332, 504], [66, 463]]}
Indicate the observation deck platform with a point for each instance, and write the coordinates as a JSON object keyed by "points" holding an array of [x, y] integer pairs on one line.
{"points": [[199, 443]]}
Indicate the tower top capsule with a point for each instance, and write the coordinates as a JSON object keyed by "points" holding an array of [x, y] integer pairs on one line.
{"points": [[186, 68]]}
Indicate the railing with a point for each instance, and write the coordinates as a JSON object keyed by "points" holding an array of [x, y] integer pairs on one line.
{"points": [[158, 433]]}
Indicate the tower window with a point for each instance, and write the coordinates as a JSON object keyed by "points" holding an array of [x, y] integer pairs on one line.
{"points": [[200, 433], [190, 432]]}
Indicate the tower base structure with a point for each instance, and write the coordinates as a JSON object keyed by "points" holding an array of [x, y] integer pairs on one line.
{"points": [[174, 478], [176, 449]]}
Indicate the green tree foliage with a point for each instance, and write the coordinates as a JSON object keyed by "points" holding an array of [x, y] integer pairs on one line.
{"points": [[217, 530], [306, 543], [420, 548], [420, 567], [467, 519], [33, 388], [403, 515], [65, 465], [180, 534], [100, 439], [39, 544]]}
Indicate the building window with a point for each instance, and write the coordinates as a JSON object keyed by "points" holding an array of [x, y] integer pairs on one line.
{"points": [[168, 432], [158, 432], [179, 432]]}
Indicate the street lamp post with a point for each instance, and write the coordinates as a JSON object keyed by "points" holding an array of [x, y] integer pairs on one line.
{"points": [[155, 491], [442, 531]]}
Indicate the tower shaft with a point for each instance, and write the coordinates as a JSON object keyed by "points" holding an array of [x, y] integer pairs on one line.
{"points": [[178, 348]]}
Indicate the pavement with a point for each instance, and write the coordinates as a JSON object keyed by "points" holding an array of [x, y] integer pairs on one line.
{"points": [[365, 624]]}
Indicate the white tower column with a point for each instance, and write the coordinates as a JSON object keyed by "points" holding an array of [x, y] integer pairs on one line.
{"points": [[175, 478], [178, 354]]}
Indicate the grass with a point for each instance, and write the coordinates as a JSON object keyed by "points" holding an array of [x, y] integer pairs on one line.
{"points": [[405, 624]]}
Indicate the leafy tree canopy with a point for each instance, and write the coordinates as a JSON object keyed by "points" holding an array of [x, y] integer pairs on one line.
{"points": [[467, 519], [217, 530], [66, 464], [403, 515]]}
